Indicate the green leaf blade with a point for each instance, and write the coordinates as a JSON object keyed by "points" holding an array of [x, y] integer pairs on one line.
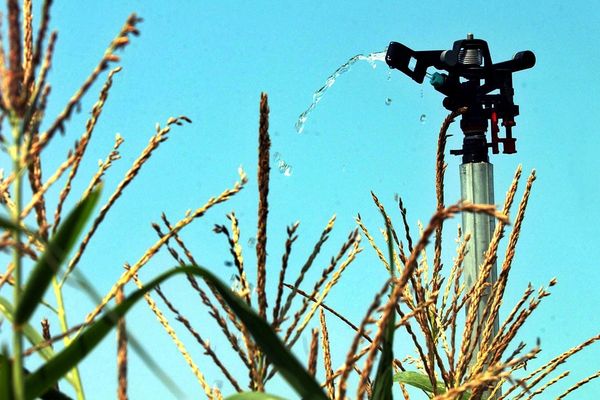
{"points": [[383, 383], [30, 333], [289, 367], [286, 363], [419, 381], [11, 226], [49, 373], [56, 252], [6, 385]]}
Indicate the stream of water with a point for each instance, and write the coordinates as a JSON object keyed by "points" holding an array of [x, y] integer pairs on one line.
{"points": [[318, 95]]}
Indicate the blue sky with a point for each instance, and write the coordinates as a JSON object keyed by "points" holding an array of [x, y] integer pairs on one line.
{"points": [[211, 60]]}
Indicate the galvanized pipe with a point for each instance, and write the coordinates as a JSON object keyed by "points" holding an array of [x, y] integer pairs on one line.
{"points": [[477, 186]]}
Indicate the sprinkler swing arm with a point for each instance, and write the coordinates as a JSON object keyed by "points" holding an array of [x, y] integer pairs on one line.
{"points": [[471, 81]]}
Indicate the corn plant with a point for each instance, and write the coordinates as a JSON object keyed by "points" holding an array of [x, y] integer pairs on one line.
{"points": [[50, 245], [425, 301]]}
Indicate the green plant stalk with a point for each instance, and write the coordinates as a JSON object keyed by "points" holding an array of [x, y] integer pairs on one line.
{"points": [[18, 382], [261, 368], [64, 326]]}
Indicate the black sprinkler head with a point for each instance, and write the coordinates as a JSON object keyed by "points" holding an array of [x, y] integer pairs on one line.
{"points": [[473, 81]]}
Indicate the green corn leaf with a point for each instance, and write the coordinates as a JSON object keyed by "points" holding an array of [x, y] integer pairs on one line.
{"points": [[286, 363], [421, 381], [5, 377], [48, 374], [11, 226], [254, 396], [56, 252], [31, 334], [382, 385], [6, 383], [418, 380], [291, 369], [80, 281]]}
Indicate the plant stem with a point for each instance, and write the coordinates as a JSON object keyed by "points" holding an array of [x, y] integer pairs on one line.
{"points": [[64, 327], [18, 383], [261, 370]]}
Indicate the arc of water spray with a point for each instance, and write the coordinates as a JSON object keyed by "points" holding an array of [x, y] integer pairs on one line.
{"points": [[318, 95]]}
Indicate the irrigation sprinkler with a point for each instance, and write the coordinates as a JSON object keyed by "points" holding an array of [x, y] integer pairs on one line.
{"points": [[471, 80]]}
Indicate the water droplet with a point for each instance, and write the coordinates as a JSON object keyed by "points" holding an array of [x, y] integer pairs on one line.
{"points": [[305, 344], [421, 93], [234, 283], [229, 264], [396, 197], [219, 384], [284, 168], [423, 118], [371, 58], [251, 241], [388, 101], [389, 77]]}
